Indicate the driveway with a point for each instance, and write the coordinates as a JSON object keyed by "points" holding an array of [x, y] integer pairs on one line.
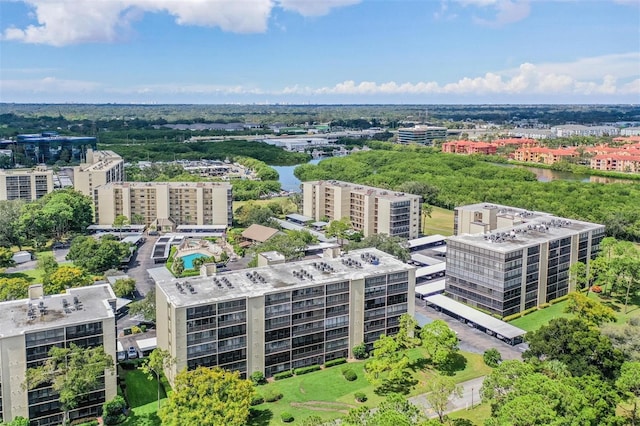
{"points": [[60, 256], [470, 397]]}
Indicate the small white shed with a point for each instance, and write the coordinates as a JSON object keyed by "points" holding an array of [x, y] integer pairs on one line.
{"points": [[21, 257]]}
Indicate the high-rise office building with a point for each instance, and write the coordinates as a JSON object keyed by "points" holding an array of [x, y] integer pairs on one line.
{"points": [[371, 210], [29, 328], [281, 316], [421, 134], [505, 260]]}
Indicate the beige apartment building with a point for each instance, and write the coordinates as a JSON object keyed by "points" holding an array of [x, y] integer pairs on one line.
{"points": [[281, 316], [100, 168], [165, 204], [371, 210], [30, 327], [25, 184]]}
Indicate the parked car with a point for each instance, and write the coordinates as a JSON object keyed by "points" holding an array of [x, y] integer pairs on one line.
{"points": [[132, 352]]}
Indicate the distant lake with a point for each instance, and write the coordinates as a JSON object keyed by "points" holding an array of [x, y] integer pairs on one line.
{"points": [[547, 175], [288, 181]]}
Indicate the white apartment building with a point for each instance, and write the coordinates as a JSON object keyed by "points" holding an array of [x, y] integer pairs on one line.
{"points": [[100, 168], [371, 210], [165, 204], [25, 184], [30, 327]]}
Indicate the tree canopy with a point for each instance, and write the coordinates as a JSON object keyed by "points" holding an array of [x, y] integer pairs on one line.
{"points": [[208, 396], [97, 256]]}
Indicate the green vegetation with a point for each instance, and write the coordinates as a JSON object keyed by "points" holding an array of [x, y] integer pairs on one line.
{"points": [[97, 256], [538, 318], [140, 390], [463, 180], [440, 222]]}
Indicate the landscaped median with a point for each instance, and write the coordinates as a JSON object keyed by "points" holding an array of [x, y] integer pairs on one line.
{"points": [[328, 394]]}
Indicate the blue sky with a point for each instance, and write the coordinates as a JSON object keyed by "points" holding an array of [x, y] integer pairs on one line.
{"points": [[313, 51]]}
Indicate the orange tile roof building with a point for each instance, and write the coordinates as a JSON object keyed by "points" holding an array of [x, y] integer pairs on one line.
{"points": [[616, 162], [469, 147], [544, 155], [521, 142]]}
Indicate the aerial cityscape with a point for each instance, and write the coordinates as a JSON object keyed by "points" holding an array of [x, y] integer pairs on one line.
{"points": [[349, 212]]}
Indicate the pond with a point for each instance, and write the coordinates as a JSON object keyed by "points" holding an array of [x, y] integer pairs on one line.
{"points": [[287, 179]]}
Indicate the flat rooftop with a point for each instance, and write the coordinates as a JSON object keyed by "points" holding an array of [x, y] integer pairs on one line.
{"points": [[256, 282], [93, 305], [136, 185], [534, 228], [480, 318], [366, 190]]}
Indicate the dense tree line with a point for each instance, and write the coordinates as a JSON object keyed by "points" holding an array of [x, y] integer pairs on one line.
{"points": [[458, 180], [232, 150]]}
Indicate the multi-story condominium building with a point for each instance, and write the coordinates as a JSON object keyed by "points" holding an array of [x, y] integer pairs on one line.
{"points": [[371, 210], [100, 168], [544, 155], [29, 328], [421, 134], [567, 130], [469, 147], [616, 162], [162, 203], [505, 260], [281, 316], [25, 184]]}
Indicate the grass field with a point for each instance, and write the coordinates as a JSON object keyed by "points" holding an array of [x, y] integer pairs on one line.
{"points": [[327, 394], [440, 222], [477, 414], [140, 390], [237, 204], [536, 319]]}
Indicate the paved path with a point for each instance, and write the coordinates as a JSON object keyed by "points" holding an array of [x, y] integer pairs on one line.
{"points": [[470, 397]]}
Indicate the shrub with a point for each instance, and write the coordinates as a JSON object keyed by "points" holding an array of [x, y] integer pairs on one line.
{"points": [[360, 351], [272, 395], [492, 357], [257, 400], [512, 317], [334, 362], [283, 375], [350, 375], [286, 417], [305, 370], [596, 289], [143, 328], [257, 377], [113, 411], [544, 305], [360, 396], [559, 299]]}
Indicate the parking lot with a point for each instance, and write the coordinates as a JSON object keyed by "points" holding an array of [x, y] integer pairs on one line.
{"points": [[472, 339]]}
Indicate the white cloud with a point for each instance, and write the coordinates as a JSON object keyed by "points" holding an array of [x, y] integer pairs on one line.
{"points": [[560, 81], [314, 7], [527, 79], [507, 12], [64, 22]]}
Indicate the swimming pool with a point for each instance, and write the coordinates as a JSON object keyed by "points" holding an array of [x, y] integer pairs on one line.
{"points": [[189, 258]]}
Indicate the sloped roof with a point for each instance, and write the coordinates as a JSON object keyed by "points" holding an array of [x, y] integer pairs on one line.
{"points": [[259, 233]]}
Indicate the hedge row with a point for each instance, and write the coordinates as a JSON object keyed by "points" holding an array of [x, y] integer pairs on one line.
{"points": [[305, 370], [334, 362], [283, 375]]}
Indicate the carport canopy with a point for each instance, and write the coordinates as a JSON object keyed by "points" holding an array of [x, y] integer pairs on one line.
{"points": [[146, 345], [474, 316]]}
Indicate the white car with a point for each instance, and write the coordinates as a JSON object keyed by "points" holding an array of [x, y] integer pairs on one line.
{"points": [[132, 352]]}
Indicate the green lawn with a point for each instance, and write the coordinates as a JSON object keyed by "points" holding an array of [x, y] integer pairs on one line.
{"points": [[327, 394], [440, 222], [535, 320], [477, 414], [140, 391], [144, 415]]}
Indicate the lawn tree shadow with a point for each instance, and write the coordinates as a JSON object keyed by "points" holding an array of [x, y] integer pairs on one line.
{"points": [[419, 364], [455, 362], [149, 419], [17, 275], [402, 385], [259, 417]]}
